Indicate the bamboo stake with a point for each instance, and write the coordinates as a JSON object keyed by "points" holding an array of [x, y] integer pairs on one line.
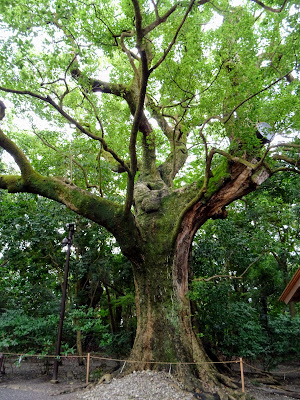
{"points": [[242, 375], [88, 368]]}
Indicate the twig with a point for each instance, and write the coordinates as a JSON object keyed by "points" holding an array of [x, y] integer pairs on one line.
{"points": [[232, 276], [255, 94], [167, 51], [66, 156]]}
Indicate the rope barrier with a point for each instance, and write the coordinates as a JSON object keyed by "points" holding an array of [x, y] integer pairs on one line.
{"points": [[41, 355], [123, 360], [95, 357], [267, 372], [89, 357]]}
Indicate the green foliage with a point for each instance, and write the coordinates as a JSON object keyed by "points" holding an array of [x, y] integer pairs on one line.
{"points": [[20, 332], [225, 58], [252, 255], [32, 270], [285, 333]]}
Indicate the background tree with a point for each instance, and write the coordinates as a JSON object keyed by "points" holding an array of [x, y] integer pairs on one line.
{"points": [[150, 110]]}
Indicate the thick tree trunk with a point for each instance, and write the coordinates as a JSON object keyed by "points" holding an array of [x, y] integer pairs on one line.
{"points": [[165, 338]]}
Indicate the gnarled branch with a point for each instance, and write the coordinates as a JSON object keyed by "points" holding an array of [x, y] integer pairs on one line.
{"points": [[19, 157]]}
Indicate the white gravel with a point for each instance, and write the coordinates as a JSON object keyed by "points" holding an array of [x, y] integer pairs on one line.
{"points": [[144, 385]]}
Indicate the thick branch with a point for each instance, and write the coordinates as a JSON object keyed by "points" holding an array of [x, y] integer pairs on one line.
{"points": [[286, 145], [17, 154], [288, 160], [102, 211], [159, 20], [178, 154], [237, 159], [275, 10], [12, 183], [198, 196], [285, 169], [138, 22], [96, 85], [139, 113]]}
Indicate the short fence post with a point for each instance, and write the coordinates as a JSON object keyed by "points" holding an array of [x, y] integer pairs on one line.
{"points": [[242, 374], [87, 368], [2, 369]]}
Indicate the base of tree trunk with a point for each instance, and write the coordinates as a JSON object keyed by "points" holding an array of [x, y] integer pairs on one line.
{"points": [[220, 388]]}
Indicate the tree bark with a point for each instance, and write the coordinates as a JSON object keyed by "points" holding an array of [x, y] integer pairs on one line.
{"points": [[165, 338]]}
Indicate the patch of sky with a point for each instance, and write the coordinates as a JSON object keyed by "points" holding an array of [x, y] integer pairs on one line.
{"points": [[237, 3], [215, 22]]}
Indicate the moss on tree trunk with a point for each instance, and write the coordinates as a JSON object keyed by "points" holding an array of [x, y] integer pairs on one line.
{"points": [[165, 338]]}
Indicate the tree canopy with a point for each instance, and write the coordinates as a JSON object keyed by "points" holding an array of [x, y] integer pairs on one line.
{"points": [[133, 87]]}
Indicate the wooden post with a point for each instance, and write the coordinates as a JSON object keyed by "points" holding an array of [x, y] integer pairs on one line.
{"points": [[2, 369], [87, 368], [242, 374], [67, 241]]}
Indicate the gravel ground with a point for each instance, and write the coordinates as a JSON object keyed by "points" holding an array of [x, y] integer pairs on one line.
{"points": [[149, 385], [145, 385]]}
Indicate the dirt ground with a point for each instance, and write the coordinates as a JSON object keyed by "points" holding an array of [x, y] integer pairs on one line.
{"points": [[281, 383], [30, 380], [32, 375]]}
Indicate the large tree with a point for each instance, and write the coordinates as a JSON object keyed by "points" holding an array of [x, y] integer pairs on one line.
{"points": [[142, 116]]}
